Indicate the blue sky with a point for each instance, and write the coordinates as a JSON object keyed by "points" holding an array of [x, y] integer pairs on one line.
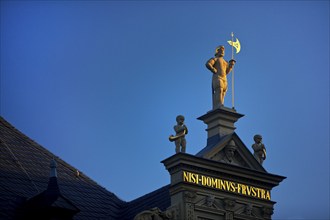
{"points": [[99, 84]]}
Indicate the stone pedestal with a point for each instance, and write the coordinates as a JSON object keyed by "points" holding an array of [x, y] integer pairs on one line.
{"points": [[220, 122]]}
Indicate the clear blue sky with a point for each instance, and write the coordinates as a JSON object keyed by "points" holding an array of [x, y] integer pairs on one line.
{"points": [[99, 84]]}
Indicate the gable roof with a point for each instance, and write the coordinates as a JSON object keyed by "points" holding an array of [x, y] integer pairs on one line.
{"points": [[243, 157], [24, 174]]}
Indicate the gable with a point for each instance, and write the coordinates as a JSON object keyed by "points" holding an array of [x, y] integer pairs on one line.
{"points": [[231, 150]]}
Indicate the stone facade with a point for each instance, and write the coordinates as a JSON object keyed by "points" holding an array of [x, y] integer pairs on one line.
{"points": [[223, 181]]}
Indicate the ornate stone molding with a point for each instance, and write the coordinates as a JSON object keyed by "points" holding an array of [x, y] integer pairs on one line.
{"points": [[267, 212], [189, 196], [229, 204], [152, 214]]}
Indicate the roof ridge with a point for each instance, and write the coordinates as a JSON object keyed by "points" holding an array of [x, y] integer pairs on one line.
{"points": [[150, 193], [158, 198]]}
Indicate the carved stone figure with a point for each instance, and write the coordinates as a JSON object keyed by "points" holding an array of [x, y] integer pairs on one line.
{"points": [[220, 69], [259, 149], [248, 209], [229, 152], [229, 204], [209, 201], [189, 196], [181, 130], [267, 212]]}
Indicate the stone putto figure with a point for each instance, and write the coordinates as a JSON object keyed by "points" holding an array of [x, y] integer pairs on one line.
{"points": [[220, 69], [259, 149], [181, 130]]}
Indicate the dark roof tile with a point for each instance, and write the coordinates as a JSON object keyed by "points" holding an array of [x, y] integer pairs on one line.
{"points": [[159, 198]]}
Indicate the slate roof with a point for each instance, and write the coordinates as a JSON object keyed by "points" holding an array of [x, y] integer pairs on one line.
{"points": [[159, 198], [24, 173]]}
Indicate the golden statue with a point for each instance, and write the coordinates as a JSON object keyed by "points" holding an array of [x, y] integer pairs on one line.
{"points": [[220, 69]]}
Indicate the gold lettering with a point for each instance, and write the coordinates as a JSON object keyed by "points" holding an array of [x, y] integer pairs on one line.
{"points": [[209, 181], [226, 185], [239, 188], [262, 193], [218, 184], [258, 192], [185, 177], [214, 183], [232, 187], [190, 177], [222, 184], [248, 190], [203, 180], [254, 194], [194, 178], [244, 187], [197, 179]]}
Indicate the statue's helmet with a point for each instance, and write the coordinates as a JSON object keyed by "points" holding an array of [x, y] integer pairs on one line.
{"points": [[231, 145], [217, 49]]}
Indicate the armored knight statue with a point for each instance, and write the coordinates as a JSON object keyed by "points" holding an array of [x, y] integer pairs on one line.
{"points": [[259, 149], [220, 69]]}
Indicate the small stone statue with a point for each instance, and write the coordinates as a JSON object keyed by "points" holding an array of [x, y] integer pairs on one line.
{"points": [[220, 69], [259, 149], [181, 130]]}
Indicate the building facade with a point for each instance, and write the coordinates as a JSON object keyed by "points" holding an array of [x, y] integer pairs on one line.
{"points": [[222, 181]]}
